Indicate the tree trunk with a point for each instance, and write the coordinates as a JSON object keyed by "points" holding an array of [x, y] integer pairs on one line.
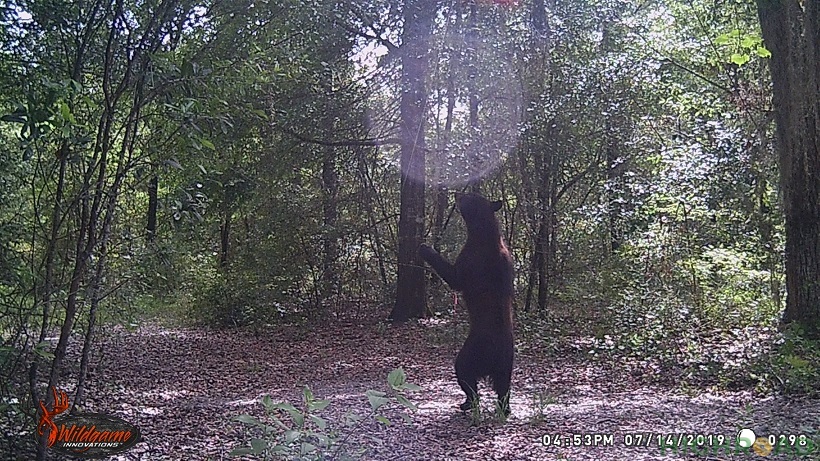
{"points": [[410, 296], [330, 245], [224, 239], [151, 224], [791, 30], [471, 52]]}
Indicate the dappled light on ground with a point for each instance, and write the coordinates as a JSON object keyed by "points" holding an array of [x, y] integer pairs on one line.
{"points": [[183, 386]]}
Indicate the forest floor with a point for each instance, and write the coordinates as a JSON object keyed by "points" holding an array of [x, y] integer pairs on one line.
{"points": [[184, 386]]}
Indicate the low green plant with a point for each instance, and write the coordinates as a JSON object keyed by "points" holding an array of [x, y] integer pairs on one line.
{"points": [[304, 435], [795, 365], [540, 401]]}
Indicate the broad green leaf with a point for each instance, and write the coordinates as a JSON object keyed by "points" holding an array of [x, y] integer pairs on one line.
{"points": [[284, 406], [722, 39], [319, 422], [248, 419], [763, 52], [65, 112], [402, 400], [308, 448], [42, 351], [292, 436], [259, 446], [383, 420], [318, 405], [739, 59], [396, 378], [376, 399], [749, 41]]}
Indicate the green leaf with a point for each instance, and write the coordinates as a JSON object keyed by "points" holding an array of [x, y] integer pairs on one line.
{"points": [[207, 144], [383, 420], [292, 436], [65, 111], [411, 387], [749, 41], [376, 399], [241, 451], [318, 405], [763, 52], [402, 400], [396, 378], [739, 59], [248, 419], [259, 446], [261, 114], [308, 448], [722, 39], [41, 349], [319, 422], [297, 417], [307, 394], [323, 440]]}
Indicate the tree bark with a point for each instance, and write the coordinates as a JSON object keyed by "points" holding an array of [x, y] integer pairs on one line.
{"points": [[410, 290], [224, 238], [330, 244], [151, 221], [791, 30]]}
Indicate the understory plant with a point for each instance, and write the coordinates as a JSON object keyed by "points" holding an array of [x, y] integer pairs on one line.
{"points": [[299, 433]]}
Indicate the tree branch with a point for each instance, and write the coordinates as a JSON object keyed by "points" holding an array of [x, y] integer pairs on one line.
{"points": [[341, 143]]}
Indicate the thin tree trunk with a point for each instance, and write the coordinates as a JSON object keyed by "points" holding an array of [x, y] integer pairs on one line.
{"points": [[224, 238], [330, 245], [471, 51], [151, 224]]}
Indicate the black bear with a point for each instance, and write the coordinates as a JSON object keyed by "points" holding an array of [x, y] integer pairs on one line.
{"points": [[483, 272]]}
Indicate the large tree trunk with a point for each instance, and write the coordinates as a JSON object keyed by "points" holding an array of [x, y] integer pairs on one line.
{"points": [[791, 30], [418, 22]]}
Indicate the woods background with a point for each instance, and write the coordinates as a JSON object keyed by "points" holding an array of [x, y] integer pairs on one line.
{"points": [[258, 163]]}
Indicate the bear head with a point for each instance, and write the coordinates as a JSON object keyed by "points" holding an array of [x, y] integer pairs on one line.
{"points": [[478, 213]]}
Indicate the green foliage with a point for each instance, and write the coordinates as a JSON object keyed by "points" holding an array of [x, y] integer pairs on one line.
{"points": [[229, 300], [300, 433], [794, 367], [540, 401]]}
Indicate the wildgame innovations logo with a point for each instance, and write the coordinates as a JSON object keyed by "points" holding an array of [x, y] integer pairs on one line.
{"points": [[90, 435]]}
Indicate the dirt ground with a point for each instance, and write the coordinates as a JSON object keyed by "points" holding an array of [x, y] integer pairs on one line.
{"points": [[183, 386]]}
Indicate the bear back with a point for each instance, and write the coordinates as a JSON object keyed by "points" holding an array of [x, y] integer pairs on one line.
{"points": [[484, 265]]}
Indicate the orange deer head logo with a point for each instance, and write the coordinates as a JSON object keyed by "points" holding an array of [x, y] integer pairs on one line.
{"points": [[47, 416]]}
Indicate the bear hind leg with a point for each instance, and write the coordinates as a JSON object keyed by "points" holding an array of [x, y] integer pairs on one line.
{"points": [[467, 377], [501, 386]]}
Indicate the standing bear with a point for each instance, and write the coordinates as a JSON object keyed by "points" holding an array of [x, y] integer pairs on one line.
{"points": [[483, 272]]}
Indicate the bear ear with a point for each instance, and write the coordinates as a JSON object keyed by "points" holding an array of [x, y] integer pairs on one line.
{"points": [[496, 205]]}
